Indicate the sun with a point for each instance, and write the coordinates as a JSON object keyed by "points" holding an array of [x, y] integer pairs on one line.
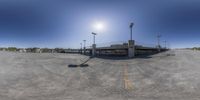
{"points": [[99, 26]]}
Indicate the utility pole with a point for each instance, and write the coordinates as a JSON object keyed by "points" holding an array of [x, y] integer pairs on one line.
{"points": [[84, 41]]}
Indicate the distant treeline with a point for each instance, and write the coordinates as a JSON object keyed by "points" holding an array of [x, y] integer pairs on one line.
{"points": [[9, 49], [196, 48]]}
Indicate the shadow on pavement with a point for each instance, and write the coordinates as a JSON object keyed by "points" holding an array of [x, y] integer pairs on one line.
{"points": [[112, 57], [144, 56], [74, 66], [80, 65], [118, 57]]}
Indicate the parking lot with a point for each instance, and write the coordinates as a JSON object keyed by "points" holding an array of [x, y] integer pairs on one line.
{"points": [[171, 75]]}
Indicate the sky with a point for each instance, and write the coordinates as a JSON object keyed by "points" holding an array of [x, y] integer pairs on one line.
{"points": [[66, 23]]}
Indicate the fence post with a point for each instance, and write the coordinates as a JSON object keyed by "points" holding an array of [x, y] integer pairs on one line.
{"points": [[131, 48]]}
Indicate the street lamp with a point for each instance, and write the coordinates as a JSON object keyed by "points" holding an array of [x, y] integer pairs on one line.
{"points": [[131, 28], [158, 36], [94, 37], [84, 45], [165, 44], [131, 43], [81, 47], [94, 45]]}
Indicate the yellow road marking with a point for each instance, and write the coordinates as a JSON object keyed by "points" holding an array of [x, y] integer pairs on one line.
{"points": [[127, 83]]}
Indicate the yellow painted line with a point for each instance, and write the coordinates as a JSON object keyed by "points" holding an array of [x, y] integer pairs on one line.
{"points": [[127, 83]]}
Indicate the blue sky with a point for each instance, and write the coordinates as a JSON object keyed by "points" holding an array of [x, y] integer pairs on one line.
{"points": [[65, 23]]}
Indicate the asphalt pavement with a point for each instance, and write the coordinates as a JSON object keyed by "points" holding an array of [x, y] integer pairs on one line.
{"points": [[171, 75]]}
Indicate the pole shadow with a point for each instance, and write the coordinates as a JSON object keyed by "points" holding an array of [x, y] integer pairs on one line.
{"points": [[84, 64]]}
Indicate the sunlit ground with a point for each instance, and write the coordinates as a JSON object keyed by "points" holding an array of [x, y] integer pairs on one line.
{"points": [[34, 76]]}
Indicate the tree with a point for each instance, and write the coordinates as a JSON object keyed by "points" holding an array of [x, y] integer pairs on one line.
{"points": [[12, 49]]}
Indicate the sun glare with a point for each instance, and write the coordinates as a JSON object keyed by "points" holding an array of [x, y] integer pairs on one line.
{"points": [[99, 26]]}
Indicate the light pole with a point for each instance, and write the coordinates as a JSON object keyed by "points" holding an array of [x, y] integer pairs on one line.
{"points": [[158, 37], [94, 37], [81, 47], [168, 45], [84, 42], [84, 45], [165, 44], [94, 45], [131, 43], [131, 29]]}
